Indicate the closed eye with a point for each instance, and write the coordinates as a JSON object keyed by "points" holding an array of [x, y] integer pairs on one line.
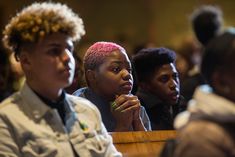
{"points": [[54, 51]]}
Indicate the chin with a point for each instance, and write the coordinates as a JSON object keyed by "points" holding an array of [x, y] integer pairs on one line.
{"points": [[66, 84], [125, 92], [173, 102]]}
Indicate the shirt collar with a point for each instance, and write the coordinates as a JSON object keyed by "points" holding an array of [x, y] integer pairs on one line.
{"points": [[32, 101], [148, 99], [51, 103]]}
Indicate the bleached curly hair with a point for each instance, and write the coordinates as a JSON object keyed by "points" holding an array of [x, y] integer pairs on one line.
{"points": [[38, 20]]}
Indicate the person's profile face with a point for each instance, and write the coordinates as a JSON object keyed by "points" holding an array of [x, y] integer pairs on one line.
{"points": [[113, 77], [51, 62], [165, 84], [227, 86]]}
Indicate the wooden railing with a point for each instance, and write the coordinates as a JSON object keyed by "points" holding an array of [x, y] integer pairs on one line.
{"points": [[140, 143]]}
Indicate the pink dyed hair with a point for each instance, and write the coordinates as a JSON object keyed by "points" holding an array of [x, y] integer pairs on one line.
{"points": [[97, 52]]}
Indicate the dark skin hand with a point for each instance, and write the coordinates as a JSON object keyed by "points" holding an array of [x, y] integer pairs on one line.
{"points": [[126, 111]]}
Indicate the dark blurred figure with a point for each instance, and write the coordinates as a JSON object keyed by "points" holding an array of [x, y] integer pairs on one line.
{"points": [[158, 85], [188, 58], [207, 22], [6, 88], [207, 128]]}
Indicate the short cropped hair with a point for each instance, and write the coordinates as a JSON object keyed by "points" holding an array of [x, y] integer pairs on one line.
{"points": [[96, 54], [207, 21], [38, 20], [146, 61], [219, 55]]}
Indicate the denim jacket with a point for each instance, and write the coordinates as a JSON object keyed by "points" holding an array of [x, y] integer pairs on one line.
{"points": [[30, 128]]}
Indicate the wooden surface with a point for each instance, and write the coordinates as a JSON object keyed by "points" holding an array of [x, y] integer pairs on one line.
{"points": [[141, 143]]}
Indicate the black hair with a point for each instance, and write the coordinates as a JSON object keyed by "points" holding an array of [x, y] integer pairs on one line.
{"points": [[219, 55], [147, 60], [206, 22]]}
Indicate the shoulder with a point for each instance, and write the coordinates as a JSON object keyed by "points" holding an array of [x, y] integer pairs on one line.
{"points": [[82, 105], [10, 104], [80, 92], [211, 130], [203, 137]]}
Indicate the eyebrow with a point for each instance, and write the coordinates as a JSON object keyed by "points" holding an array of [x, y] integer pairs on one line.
{"points": [[120, 62], [116, 61]]}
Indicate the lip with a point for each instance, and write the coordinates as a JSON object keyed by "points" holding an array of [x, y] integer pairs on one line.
{"points": [[174, 95], [67, 71], [127, 86]]}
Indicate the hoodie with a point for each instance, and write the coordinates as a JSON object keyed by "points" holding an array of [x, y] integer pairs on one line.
{"points": [[207, 128]]}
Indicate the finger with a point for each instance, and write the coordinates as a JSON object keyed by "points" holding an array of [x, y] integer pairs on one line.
{"points": [[135, 107], [128, 104], [122, 98]]}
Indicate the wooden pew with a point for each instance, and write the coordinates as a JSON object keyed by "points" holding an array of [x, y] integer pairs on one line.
{"points": [[141, 143]]}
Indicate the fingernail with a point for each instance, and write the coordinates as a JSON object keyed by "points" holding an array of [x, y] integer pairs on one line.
{"points": [[113, 104], [117, 108]]}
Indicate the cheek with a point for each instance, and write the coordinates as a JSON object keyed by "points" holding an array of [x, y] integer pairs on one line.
{"points": [[163, 88], [110, 81]]}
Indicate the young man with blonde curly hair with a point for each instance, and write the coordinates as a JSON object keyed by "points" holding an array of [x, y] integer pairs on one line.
{"points": [[41, 119]]}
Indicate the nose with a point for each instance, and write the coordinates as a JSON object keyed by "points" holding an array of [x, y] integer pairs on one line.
{"points": [[66, 56], [173, 84], [126, 75]]}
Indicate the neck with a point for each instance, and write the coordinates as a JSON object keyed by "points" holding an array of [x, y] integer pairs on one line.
{"points": [[102, 95], [45, 91]]}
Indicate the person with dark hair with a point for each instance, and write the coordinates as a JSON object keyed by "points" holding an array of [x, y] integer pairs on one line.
{"points": [[207, 128], [158, 85], [207, 22], [109, 79], [42, 119]]}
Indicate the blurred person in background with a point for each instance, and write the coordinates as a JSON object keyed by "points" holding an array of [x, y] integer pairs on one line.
{"points": [[207, 23], [207, 128]]}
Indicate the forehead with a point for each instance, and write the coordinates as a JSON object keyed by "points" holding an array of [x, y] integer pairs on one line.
{"points": [[166, 68], [117, 56], [55, 39]]}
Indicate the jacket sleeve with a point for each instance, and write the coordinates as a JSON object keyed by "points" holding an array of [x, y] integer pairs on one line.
{"points": [[101, 144], [111, 150], [145, 118], [8, 146]]}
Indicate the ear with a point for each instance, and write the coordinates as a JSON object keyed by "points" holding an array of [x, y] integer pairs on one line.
{"points": [[90, 77], [25, 60]]}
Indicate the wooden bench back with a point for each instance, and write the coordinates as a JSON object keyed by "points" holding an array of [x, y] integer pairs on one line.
{"points": [[141, 143]]}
